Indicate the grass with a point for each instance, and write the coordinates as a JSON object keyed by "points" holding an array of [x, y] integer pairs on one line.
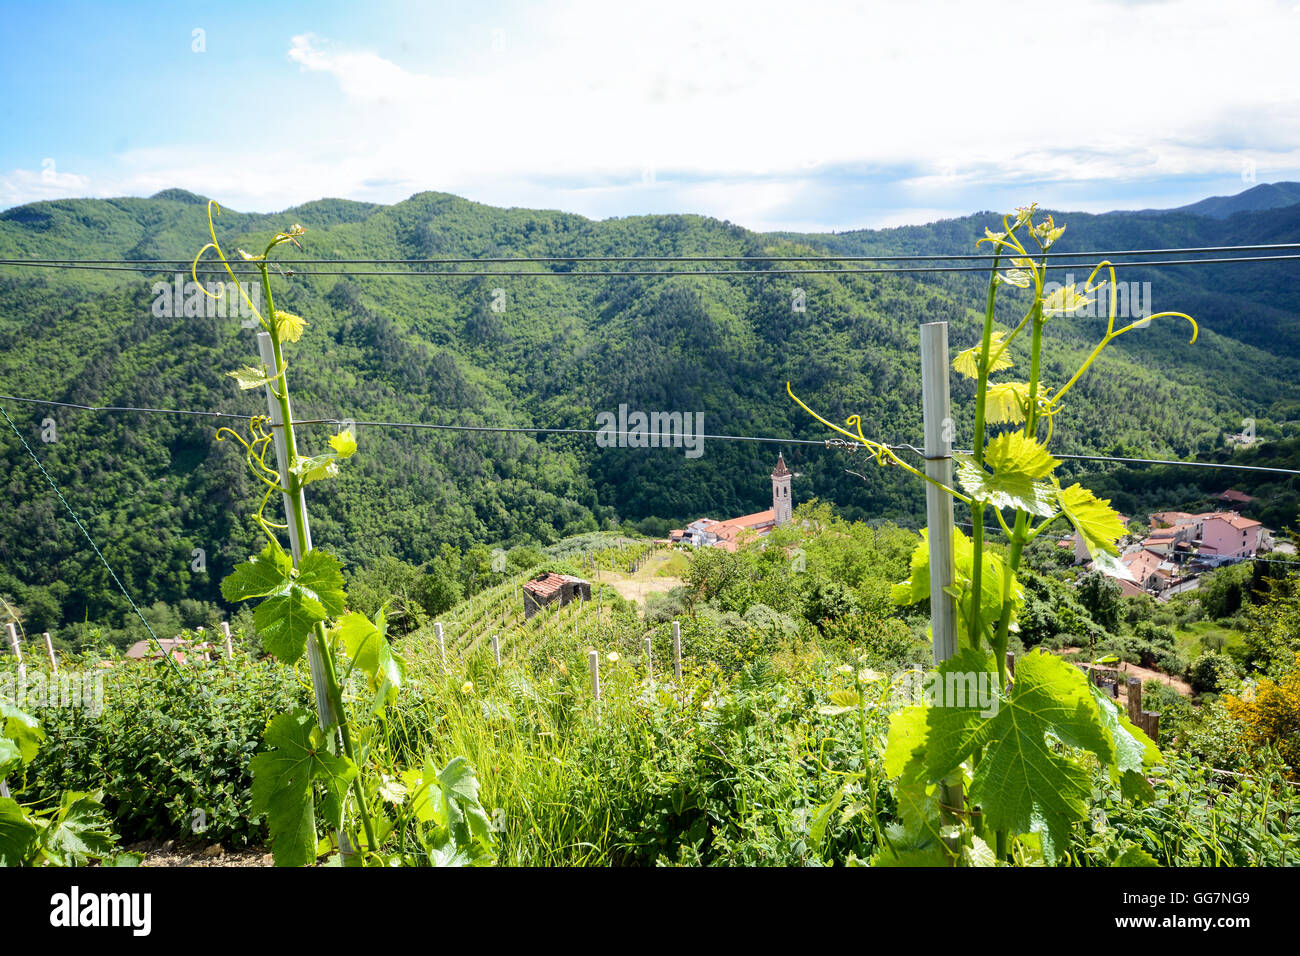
{"points": [[1200, 636]]}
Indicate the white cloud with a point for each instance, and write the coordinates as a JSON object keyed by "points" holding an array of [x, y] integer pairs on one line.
{"points": [[28, 185], [739, 107]]}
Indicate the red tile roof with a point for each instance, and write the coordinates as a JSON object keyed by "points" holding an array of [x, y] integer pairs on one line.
{"points": [[1239, 497], [729, 529], [550, 583], [1236, 520]]}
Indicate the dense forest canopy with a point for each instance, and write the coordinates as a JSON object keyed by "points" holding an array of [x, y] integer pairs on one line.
{"points": [[553, 352]]}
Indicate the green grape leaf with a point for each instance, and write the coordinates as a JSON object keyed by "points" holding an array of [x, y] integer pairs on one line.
{"points": [[822, 818], [367, 644], [293, 762], [449, 799], [251, 376], [978, 853], [1134, 751], [267, 573], [917, 841], [1135, 856], [990, 586], [79, 831], [917, 587], [1005, 402], [17, 834], [967, 361], [905, 745], [344, 443], [1112, 566], [285, 621], [1095, 520], [9, 756], [289, 326], [1018, 464], [1064, 300], [955, 722], [20, 737], [320, 573], [1013, 451], [1022, 782], [326, 465]]}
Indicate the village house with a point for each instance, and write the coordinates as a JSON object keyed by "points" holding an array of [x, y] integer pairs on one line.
{"points": [[1151, 571], [729, 534], [549, 588], [1179, 539], [1227, 536]]}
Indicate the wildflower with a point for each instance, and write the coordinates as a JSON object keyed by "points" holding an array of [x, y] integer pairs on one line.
{"points": [[467, 687], [612, 657], [845, 669]]}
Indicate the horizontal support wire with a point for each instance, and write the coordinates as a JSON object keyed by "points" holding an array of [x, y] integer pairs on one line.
{"points": [[915, 257], [538, 430], [615, 273]]}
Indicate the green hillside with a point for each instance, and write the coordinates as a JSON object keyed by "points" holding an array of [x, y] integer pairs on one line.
{"points": [[152, 488]]}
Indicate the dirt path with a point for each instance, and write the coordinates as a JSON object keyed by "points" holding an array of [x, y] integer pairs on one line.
{"points": [[167, 853], [635, 587]]}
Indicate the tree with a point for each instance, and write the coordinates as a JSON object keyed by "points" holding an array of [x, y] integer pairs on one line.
{"points": [[1223, 592], [1100, 596]]}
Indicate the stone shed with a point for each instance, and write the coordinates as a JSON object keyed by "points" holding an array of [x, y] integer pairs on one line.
{"points": [[549, 588]]}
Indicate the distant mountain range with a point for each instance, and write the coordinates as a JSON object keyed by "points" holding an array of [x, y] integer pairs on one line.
{"points": [[1255, 199]]}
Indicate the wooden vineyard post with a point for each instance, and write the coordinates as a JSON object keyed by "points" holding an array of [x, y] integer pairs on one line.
{"points": [[649, 660], [299, 544], [18, 651], [49, 649], [1135, 701], [225, 632], [593, 662], [442, 643], [324, 706], [937, 415], [496, 649], [677, 649], [1011, 663]]}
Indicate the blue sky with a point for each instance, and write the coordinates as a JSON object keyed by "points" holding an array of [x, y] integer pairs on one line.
{"points": [[782, 116]]}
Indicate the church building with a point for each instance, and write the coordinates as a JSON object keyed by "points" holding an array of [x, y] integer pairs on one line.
{"points": [[706, 532]]}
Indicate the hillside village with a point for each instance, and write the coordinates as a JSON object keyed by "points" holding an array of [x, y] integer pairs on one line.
{"points": [[1176, 548], [1179, 546], [731, 533]]}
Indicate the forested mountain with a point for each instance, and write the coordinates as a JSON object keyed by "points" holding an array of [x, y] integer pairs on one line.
{"points": [[550, 352]]}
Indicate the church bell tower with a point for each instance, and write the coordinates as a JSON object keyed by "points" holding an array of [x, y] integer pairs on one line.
{"points": [[782, 506]]}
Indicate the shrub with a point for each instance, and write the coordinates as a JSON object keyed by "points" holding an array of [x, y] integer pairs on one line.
{"points": [[170, 751], [1272, 715], [1211, 672]]}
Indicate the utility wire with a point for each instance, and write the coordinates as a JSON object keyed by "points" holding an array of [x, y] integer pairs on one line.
{"points": [[99, 554], [915, 257], [529, 429], [616, 273]]}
